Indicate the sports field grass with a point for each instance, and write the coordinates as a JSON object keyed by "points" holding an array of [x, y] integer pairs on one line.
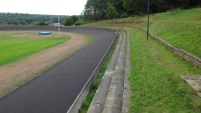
{"points": [[16, 45]]}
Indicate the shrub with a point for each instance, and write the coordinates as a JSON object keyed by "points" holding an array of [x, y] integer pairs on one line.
{"points": [[124, 15], [71, 20], [42, 23], [77, 23]]}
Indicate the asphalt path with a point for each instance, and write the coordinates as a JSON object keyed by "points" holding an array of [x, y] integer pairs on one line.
{"points": [[56, 89]]}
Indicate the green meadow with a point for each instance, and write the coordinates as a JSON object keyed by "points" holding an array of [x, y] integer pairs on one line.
{"points": [[16, 45]]}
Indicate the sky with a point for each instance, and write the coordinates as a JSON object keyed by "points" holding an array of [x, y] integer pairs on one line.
{"points": [[49, 7]]}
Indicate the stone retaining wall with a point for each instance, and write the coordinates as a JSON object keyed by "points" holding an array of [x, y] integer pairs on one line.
{"points": [[195, 60]]}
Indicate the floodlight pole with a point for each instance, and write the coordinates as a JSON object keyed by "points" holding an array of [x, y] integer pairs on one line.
{"points": [[58, 26], [148, 10]]}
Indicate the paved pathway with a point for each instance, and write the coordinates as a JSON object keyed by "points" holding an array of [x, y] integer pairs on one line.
{"points": [[55, 90]]}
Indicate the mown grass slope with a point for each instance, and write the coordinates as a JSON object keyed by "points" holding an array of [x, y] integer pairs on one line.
{"points": [[17, 45], [156, 85], [181, 29], [155, 76]]}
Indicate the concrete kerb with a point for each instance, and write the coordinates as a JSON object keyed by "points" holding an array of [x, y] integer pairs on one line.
{"points": [[83, 93]]}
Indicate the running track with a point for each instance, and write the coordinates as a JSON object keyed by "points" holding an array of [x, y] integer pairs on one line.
{"points": [[55, 90]]}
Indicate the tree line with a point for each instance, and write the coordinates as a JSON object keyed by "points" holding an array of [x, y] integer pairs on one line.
{"points": [[99, 10], [29, 19], [108, 9]]}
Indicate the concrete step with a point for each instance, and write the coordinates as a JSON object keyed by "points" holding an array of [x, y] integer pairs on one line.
{"points": [[109, 97]]}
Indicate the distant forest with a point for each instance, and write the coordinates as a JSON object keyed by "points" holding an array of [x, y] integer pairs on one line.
{"points": [[29, 19], [96, 10], [109, 9]]}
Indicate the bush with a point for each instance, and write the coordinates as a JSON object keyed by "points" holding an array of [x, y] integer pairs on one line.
{"points": [[124, 15], [78, 23], [42, 23], [71, 20]]}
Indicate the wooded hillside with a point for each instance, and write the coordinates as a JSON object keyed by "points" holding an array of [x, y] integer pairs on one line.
{"points": [[101, 9]]}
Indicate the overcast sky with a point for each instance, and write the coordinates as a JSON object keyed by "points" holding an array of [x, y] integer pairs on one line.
{"points": [[64, 7]]}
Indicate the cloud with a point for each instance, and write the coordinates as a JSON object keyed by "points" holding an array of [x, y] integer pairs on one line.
{"points": [[64, 7]]}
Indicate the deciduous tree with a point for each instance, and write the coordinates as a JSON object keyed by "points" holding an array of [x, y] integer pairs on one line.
{"points": [[111, 11]]}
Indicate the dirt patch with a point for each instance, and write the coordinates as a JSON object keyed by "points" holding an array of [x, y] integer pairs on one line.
{"points": [[14, 73]]}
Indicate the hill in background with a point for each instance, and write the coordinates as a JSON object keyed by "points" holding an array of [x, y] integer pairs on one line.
{"points": [[29, 19]]}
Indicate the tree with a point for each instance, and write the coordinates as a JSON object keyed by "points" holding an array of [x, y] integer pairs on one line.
{"points": [[22, 22], [95, 9], [136, 6], [118, 4], [111, 11], [127, 4], [98, 9], [71, 20], [23, 19]]}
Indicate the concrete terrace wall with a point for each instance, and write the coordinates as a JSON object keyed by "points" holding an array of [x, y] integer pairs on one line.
{"points": [[189, 57]]}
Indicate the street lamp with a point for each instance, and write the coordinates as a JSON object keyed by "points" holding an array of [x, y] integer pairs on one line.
{"points": [[148, 19]]}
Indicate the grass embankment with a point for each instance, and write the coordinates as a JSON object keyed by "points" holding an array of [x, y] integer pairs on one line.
{"points": [[180, 28], [17, 45], [156, 85]]}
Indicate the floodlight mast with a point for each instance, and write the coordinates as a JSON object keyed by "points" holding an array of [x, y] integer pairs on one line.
{"points": [[148, 11], [58, 26]]}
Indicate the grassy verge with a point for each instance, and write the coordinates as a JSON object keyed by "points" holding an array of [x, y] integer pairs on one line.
{"points": [[156, 85], [85, 105], [17, 45]]}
